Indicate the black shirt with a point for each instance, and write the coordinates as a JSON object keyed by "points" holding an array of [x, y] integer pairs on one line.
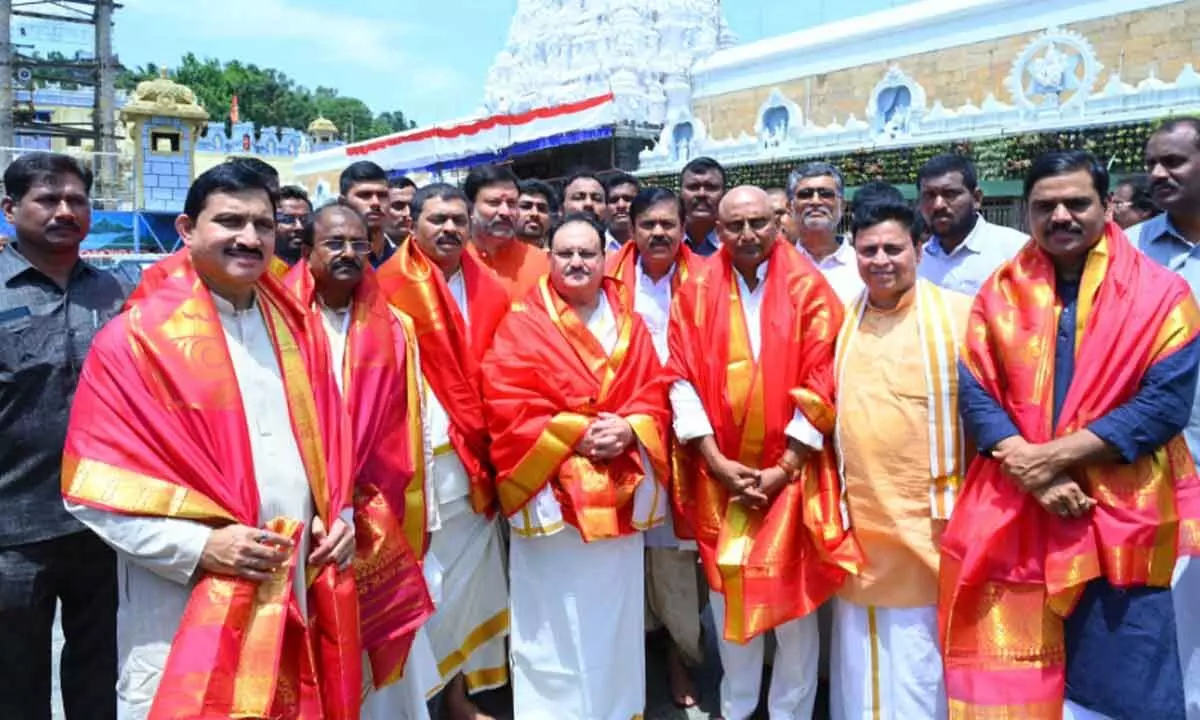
{"points": [[45, 333]]}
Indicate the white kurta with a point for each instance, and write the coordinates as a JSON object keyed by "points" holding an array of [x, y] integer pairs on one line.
{"points": [[157, 558], [578, 608], [469, 628], [794, 673]]}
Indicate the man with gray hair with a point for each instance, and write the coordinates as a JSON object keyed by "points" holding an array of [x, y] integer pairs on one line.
{"points": [[816, 193]]}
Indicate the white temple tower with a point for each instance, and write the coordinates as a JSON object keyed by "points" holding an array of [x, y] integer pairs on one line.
{"points": [[560, 51]]}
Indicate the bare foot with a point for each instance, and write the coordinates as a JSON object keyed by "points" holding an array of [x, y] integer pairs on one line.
{"points": [[683, 692], [458, 705]]}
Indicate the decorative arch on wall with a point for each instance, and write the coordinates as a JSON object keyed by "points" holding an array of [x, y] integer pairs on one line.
{"points": [[778, 119], [897, 103]]}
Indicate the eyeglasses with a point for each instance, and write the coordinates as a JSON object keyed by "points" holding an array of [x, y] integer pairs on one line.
{"points": [[819, 192], [361, 247], [288, 218]]}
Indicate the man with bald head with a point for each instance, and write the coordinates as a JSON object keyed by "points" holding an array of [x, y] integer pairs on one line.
{"points": [[751, 359]]}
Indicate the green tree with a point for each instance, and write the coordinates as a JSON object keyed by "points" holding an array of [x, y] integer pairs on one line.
{"points": [[268, 97]]}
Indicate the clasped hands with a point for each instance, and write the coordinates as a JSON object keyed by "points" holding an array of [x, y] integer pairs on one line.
{"points": [[257, 554], [754, 488], [606, 438], [1038, 469]]}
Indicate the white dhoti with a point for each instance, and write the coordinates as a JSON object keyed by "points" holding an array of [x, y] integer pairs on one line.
{"points": [[885, 663], [793, 689], [577, 627], [1185, 589], [468, 630]]}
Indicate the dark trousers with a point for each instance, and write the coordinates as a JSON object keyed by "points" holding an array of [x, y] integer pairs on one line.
{"points": [[79, 571]]}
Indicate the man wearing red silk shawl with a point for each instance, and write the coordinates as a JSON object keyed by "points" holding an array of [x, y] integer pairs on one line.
{"points": [[577, 408], [207, 446], [752, 346], [372, 348], [455, 303], [1075, 383]]}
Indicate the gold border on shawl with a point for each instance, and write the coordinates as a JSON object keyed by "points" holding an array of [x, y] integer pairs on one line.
{"points": [[1094, 271], [1178, 328], [131, 493], [258, 667], [553, 446], [303, 409], [414, 521], [646, 431]]}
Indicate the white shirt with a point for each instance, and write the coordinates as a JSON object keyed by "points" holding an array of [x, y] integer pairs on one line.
{"points": [[691, 420], [449, 482], [965, 269], [652, 300], [337, 326], [840, 270], [157, 558]]}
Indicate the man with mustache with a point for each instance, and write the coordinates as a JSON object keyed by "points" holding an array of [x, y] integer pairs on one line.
{"points": [[455, 303], [781, 207], [52, 304], [577, 407], [702, 183], [964, 248], [584, 194], [620, 190], [372, 352], [901, 453], [294, 210], [1173, 167], [751, 358], [652, 268], [399, 209], [493, 192], [816, 190], [536, 205], [364, 187], [1076, 381], [1131, 203], [206, 447]]}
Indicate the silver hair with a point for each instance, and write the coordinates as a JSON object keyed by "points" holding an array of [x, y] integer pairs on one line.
{"points": [[810, 170]]}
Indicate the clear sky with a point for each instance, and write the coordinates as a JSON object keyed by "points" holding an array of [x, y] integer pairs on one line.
{"points": [[428, 58]]}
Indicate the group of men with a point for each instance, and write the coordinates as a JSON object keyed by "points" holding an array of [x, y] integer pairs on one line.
{"points": [[422, 442]]}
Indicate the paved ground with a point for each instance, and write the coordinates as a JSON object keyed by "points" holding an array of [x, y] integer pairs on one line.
{"points": [[658, 697]]}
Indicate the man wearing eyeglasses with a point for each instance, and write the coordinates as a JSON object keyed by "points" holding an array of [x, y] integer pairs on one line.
{"points": [[816, 193], [372, 352], [293, 211]]}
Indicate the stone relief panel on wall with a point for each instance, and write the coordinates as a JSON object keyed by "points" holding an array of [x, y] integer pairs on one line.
{"points": [[897, 104], [1053, 83], [1056, 70], [778, 119]]}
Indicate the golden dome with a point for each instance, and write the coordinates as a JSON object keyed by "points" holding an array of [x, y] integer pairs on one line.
{"points": [[322, 126], [163, 97]]}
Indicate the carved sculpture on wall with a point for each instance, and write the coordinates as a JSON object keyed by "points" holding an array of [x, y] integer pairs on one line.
{"points": [[897, 104], [1057, 69], [778, 119], [1051, 82], [560, 51]]}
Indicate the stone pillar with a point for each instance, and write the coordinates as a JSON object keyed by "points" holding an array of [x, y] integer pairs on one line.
{"points": [[105, 106], [7, 139]]}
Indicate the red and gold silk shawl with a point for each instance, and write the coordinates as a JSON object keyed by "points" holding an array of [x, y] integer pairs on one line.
{"points": [[546, 379], [1011, 571], [381, 389], [623, 267], [158, 429], [450, 355], [780, 563]]}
